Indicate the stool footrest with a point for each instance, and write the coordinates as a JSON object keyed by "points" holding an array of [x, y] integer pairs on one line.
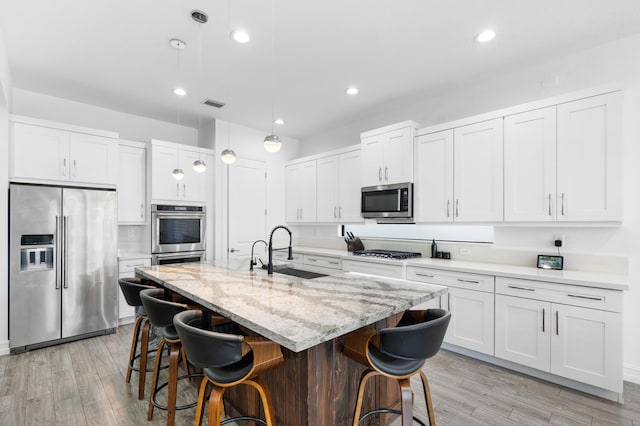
{"points": [[148, 369], [243, 419], [165, 384], [387, 411]]}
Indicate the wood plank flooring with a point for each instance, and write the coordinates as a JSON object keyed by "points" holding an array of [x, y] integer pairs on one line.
{"points": [[82, 383]]}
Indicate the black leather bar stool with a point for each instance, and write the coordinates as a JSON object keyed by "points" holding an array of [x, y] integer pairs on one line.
{"points": [[399, 353], [160, 313], [227, 360], [131, 288]]}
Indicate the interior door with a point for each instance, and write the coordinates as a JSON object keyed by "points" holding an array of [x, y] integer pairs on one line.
{"points": [[247, 208]]}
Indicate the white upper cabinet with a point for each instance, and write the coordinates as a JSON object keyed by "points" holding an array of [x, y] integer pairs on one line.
{"points": [[338, 188], [478, 172], [433, 189], [590, 159], [167, 156], [131, 183], [48, 152], [301, 192], [387, 154], [530, 166]]}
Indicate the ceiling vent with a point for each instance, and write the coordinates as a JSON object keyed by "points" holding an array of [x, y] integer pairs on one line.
{"points": [[212, 103]]}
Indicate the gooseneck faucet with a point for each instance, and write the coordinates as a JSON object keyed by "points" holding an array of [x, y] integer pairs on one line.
{"points": [[251, 261], [270, 266]]}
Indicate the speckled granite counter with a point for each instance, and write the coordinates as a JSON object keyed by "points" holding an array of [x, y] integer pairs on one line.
{"points": [[296, 313]]}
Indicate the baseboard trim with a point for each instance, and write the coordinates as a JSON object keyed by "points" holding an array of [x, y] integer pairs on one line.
{"points": [[631, 373], [4, 348]]}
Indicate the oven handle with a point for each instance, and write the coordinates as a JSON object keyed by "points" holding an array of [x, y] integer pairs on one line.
{"points": [[179, 215]]}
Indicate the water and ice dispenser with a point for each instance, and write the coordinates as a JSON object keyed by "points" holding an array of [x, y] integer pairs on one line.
{"points": [[36, 252]]}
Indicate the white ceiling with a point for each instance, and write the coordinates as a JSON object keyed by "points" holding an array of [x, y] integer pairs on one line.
{"points": [[116, 53]]}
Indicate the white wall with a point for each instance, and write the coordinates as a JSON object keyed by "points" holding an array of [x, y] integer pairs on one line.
{"points": [[615, 62], [248, 143], [132, 127], [5, 102]]}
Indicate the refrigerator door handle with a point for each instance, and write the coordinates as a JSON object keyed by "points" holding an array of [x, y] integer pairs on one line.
{"points": [[65, 225], [57, 248]]}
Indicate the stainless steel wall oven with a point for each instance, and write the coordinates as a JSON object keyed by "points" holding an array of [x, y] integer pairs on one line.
{"points": [[177, 233]]}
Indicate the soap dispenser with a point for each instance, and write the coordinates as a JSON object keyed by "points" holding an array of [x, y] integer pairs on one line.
{"points": [[434, 248]]}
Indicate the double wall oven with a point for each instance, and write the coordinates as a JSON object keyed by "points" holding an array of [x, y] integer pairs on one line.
{"points": [[177, 234]]}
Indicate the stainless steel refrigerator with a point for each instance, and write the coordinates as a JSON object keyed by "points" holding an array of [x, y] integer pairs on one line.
{"points": [[62, 264]]}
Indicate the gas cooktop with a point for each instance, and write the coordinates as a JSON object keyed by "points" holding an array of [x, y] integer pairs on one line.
{"points": [[387, 254]]}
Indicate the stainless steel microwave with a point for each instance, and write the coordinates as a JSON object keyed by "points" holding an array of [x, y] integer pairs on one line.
{"points": [[176, 229], [387, 201]]}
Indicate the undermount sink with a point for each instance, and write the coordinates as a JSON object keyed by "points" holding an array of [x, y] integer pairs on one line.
{"points": [[297, 272]]}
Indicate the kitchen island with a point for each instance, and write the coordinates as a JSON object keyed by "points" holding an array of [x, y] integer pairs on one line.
{"points": [[307, 317]]}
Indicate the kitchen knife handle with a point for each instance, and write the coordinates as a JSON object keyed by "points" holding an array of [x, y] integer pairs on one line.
{"points": [[58, 267], [65, 225]]}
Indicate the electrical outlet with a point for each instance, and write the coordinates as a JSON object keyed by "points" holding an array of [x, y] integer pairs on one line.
{"points": [[465, 252], [558, 237]]}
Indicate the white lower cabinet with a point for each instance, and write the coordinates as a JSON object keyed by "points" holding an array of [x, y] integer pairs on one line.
{"points": [[470, 301], [581, 341], [373, 268], [126, 269]]}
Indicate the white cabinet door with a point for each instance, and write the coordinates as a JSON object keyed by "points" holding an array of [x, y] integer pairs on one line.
{"points": [[349, 187], [372, 161], [433, 189], [292, 205], [192, 186], [530, 166], [163, 162], [471, 323], [328, 188], [39, 152], [308, 192], [397, 154], [478, 172], [131, 185], [523, 331], [590, 159], [585, 346], [93, 158]]}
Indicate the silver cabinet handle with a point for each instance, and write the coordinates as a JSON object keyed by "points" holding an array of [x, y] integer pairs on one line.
{"points": [[557, 325], [312, 260], [141, 210], [457, 205], [184, 190], [424, 275], [440, 302], [543, 312], [65, 225], [468, 281], [379, 174], [335, 212], [75, 168], [562, 205], [64, 167], [334, 263], [339, 212], [549, 204], [177, 190], [386, 173], [448, 205], [599, 299], [515, 287], [449, 303], [301, 213], [59, 272]]}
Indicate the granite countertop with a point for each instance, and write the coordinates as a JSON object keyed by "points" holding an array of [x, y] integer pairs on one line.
{"points": [[296, 313]]}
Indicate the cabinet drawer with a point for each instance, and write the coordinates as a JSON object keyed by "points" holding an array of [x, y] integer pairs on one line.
{"points": [[588, 297], [128, 266], [322, 261], [282, 255], [373, 268], [451, 279]]}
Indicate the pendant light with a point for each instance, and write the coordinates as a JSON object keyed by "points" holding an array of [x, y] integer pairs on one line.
{"points": [[272, 143], [201, 18], [179, 45], [228, 156]]}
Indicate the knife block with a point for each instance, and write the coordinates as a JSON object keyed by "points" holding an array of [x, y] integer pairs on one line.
{"points": [[355, 245]]}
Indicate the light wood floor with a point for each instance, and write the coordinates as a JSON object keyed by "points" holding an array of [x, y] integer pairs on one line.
{"points": [[82, 383]]}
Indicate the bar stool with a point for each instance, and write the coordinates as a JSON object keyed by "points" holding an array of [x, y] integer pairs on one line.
{"points": [[161, 313], [399, 353], [131, 288], [227, 360]]}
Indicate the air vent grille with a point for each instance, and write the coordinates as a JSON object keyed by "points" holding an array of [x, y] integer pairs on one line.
{"points": [[212, 103]]}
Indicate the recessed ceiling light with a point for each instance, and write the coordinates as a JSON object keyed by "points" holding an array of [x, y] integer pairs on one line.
{"points": [[241, 36], [484, 36], [179, 91], [351, 91], [279, 121]]}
